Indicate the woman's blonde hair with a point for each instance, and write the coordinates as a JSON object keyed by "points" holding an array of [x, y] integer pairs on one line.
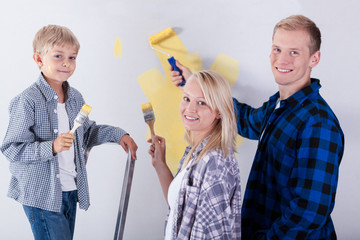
{"points": [[217, 94], [53, 35]]}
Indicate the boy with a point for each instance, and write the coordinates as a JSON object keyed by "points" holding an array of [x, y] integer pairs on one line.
{"points": [[291, 189], [47, 163]]}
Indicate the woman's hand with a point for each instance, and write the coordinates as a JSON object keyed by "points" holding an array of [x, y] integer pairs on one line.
{"points": [[157, 150]]}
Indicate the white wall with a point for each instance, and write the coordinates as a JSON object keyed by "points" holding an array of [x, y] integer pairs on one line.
{"points": [[239, 29]]}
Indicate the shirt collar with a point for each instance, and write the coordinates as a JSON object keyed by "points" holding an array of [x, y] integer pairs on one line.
{"points": [[300, 96], [49, 93]]}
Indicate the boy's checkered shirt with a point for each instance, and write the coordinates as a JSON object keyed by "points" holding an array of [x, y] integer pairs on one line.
{"points": [[33, 127]]}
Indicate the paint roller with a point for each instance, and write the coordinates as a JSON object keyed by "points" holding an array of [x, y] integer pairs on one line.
{"points": [[158, 38]]}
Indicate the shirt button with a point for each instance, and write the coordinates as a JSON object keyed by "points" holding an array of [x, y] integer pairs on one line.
{"points": [[55, 97], [57, 175], [55, 111], [55, 131]]}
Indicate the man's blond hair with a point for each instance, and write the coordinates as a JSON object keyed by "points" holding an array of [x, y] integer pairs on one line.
{"points": [[300, 22]]}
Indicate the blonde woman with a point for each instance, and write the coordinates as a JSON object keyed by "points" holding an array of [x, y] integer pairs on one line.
{"points": [[204, 197]]}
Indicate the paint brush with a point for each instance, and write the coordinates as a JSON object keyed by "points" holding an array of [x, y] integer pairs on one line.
{"points": [[160, 37], [80, 118], [149, 116]]}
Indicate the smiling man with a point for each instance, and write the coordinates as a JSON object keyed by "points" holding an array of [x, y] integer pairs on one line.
{"points": [[290, 192], [291, 189]]}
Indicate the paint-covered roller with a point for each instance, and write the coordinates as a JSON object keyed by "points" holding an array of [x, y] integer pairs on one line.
{"points": [[155, 39]]}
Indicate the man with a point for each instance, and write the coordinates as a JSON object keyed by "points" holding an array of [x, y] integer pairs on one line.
{"points": [[291, 189]]}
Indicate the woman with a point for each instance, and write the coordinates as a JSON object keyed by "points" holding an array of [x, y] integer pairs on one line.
{"points": [[204, 197]]}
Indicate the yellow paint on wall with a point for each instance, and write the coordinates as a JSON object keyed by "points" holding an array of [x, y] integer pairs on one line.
{"points": [[229, 68], [226, 66], [165, 97], [117, 48]]}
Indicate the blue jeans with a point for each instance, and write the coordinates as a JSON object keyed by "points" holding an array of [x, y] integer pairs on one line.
{"points": [[48, 225]]}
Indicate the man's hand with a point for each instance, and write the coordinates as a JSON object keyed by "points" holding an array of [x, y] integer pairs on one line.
{"points": [[128, 143], [63, 142], [176, 76]]}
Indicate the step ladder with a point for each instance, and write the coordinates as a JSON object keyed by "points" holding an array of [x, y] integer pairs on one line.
{"points": [[125, 194], [124, 199]]}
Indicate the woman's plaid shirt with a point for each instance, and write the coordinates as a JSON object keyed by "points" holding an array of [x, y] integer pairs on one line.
{"points": [[291, 188], [209, 202]]}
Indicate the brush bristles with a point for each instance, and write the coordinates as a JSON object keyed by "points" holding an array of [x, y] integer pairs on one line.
{"points": [[82, 115], [161, 36], [146, 107], [86, 109], [148, 112]]}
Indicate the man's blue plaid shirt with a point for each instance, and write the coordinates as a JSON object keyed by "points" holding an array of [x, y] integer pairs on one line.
{"points": [[291, 188]]}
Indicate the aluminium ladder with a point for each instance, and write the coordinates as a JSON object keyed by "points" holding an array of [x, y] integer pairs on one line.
{"points": [[125, 194], [124, 199]]}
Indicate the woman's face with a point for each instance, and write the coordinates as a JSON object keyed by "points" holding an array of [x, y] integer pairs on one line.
{"points": [[196, 115]]}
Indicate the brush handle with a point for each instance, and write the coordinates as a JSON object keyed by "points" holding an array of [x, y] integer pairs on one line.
{"points": [[172, 62], [76, 125], [151, 126]]}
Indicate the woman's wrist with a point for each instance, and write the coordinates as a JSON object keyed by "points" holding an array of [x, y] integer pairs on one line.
{"points": [[160, 166]]}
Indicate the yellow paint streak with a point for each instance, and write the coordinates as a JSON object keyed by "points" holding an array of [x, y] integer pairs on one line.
{"points": [[165, 97], [49, 68], [117, 48], [226, 66], [229, 68]]}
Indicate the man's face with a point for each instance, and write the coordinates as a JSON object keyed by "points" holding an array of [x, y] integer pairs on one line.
{"points": [[290, 59]]}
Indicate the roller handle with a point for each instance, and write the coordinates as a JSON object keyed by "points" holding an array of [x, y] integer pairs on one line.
{"points": [[172, 62]]}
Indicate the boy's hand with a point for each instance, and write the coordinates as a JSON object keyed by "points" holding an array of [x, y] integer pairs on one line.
{"points": [[175, 76], [63, 142], [128, 143]]}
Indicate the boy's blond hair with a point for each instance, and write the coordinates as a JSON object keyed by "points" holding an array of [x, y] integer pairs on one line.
{"points": [[53, 35], [300, 22], [217, 94]]}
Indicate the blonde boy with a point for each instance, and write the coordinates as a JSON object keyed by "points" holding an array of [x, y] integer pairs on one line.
{"points": [[47, 163]]}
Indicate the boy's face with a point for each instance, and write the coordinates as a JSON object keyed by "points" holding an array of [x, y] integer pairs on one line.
{"points": [[58, 64], [290, 58]]}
